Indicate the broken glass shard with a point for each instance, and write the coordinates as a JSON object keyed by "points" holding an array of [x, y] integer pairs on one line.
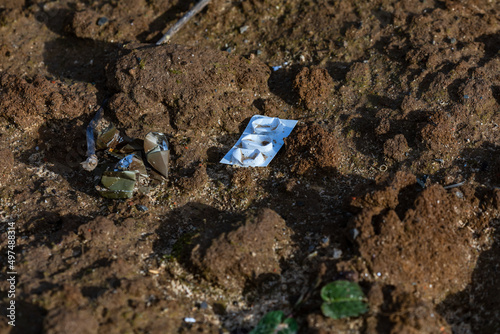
{"points": [[108, 136], [157, 152], [118, 184]]}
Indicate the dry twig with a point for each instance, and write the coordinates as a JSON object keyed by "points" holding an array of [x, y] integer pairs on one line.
{"points": [[196, 9]]}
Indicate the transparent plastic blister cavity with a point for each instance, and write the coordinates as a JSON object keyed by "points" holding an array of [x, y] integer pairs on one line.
{"points": [[262, 139]]}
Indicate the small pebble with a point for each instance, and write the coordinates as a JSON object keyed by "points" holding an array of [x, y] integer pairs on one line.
{"points": [[421, 181], [354, 233], [102, 21], [337, 253], [243, 29], [203, 305]]}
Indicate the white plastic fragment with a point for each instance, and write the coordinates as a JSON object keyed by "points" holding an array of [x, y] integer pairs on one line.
{"points": [[279, 67], [243, 29], [262, 139], [190, 320]]}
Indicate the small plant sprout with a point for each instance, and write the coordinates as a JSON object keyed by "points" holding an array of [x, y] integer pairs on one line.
{"points": [[273, 323], [142, 64], [343, 299]]}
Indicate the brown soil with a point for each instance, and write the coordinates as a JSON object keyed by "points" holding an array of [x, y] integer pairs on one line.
{"points": [[391, 178]]}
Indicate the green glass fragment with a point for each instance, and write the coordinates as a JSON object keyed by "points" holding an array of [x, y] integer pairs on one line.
{"points": [[118, 184]]}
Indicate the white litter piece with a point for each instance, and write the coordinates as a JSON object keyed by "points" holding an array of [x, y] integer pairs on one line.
{"points": [[262, 139], [279, 67], [190, 320]]}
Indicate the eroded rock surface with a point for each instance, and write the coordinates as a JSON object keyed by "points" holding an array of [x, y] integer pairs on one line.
{"points": [[246, 254], [185, 88]]}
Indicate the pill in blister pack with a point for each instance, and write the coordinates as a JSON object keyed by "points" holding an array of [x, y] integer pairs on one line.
{"points": [[262, 139]]}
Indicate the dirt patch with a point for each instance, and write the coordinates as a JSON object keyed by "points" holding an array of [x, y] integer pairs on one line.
{"points": [[166, 86], [311, 148], [313, 87], [246, 255], [7, 159], [62, 320], [29, 104], [395, 148], [439, 133], [384, 232]]}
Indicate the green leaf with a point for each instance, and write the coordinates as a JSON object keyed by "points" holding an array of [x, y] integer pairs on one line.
{"points": [[272, 323], [343, 299]]}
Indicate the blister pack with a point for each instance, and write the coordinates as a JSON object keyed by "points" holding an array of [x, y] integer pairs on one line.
{"points": [[262, 139]]}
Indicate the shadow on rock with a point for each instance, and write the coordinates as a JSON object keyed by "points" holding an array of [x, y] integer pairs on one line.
{"points": [[51, 228], [477, 306], [491, 46], [64, 145], [182, 225], [69, 58], [28, 318], [338, 70], [482, 162], [281, 83]]}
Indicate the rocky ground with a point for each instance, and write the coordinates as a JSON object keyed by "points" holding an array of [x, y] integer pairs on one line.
{"points": [[391, 178]]}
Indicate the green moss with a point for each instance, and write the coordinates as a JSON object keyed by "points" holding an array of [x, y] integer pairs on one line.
{"points": [[142, 64], [180, 247]]}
